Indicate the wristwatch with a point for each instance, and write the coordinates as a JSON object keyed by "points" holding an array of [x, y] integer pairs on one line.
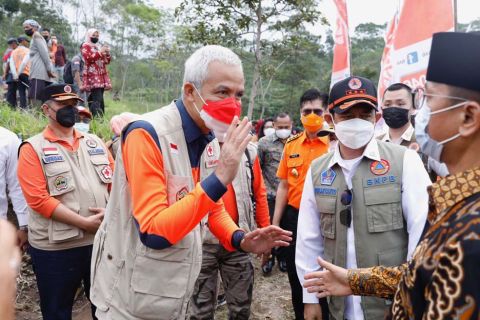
{"points": [[23, 228]]}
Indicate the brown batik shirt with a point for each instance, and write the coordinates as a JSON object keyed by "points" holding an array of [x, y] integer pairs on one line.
{"points": [[442, 281]]}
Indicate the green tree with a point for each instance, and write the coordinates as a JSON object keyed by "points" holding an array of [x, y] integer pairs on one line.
{"points": [[246, 24]]}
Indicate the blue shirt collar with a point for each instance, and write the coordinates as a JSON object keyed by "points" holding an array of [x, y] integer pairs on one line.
{"points": [[190, 128]]}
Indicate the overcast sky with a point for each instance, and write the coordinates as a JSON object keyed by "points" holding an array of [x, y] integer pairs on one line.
{"points": [[360, 11]]}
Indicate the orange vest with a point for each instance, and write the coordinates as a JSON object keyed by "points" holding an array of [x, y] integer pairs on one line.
{"points": [[17, 55]]}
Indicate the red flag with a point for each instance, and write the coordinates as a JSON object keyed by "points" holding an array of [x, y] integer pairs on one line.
{"points": [[417, 22], [341, 48]]}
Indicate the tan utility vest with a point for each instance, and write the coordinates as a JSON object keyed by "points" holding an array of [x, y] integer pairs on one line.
{"points": [[129, 280], [377, 217], [79, 180], [242, 186]]}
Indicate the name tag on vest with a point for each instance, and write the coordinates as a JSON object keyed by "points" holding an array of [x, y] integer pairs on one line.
{"points": [[326, 191], [52, 159], [380, 180], [96, 151], [211, 163]]}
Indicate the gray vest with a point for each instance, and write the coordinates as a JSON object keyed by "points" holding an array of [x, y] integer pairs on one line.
{"points": [[242, 185], [379, 227]]}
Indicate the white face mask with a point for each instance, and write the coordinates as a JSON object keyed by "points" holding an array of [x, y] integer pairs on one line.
{"points": [[440, 168], [268, 131], [82, 127], [428, 146], [283, 133], [354, 133]]}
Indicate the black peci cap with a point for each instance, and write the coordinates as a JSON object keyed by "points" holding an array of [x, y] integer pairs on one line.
{"points": [[455, 60], [12, 40], [352, 91], [59, 92]]}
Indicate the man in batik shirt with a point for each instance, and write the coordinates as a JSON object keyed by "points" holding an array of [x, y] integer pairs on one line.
{"points": [[442, 281]]}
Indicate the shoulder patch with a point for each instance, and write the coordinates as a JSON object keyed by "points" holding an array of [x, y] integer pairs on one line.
{"points": [[295, 137]]}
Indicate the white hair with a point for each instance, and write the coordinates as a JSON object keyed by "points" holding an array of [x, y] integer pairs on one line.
{"points": [[196, 66]]}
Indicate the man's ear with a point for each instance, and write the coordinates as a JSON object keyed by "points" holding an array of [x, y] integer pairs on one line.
{"points": [[470, 119], [378, 116], [188, 92], [329, 118]]}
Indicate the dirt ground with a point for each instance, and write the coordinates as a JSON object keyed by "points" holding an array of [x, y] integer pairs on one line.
{"points": [[271, 297]]}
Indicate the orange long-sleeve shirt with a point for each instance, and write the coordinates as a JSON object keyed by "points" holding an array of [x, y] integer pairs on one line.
{"points": [[262, 216], [160, 224], [32, 179]]}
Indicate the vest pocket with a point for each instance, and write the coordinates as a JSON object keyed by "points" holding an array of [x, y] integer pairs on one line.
{"points": [[102, 167], [326, 207], [59, 179], [165, 292], [60, 184], [383, 208]]}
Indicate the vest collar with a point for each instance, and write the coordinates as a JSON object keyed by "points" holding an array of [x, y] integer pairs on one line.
{"points": [[371, 152], [190, 128]]}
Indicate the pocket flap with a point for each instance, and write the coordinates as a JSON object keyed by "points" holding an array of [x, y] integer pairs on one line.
{"points": [[99, 160], [382, 194], [171, 282], [294, 162], [55, 169], [327, 204]]}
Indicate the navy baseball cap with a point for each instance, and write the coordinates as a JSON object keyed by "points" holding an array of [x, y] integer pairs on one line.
{"points": [[350, 92], [59, 92]]}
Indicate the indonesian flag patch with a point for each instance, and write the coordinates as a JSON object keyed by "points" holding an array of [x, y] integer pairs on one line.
{"points": [[173, 148], [50, 151]]}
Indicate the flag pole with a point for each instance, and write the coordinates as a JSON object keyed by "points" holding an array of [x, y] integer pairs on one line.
{"points": [[455, 26]]}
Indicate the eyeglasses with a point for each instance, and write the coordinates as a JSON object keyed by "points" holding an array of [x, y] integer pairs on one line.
{"points": [[420, 97], [306, 112], [346, 214]]}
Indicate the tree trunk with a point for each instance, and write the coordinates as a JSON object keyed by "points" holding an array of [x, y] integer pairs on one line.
{"points": [[258, 60]]}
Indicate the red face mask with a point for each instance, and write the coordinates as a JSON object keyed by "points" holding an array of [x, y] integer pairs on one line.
{"points": [[223, 110]]}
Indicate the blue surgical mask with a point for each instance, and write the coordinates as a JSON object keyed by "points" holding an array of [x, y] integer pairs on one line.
{"points": [[82, 127], [429, 146]]}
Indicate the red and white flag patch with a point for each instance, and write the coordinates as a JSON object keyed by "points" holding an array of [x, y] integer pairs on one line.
{"points": [[50, 151], [173, 148]]}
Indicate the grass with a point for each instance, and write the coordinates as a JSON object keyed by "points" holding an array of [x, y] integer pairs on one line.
{"points": [[29, 123]]}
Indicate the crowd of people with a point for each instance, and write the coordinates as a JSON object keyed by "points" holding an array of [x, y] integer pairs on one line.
{"points": [[38, 59], [154, 222]]}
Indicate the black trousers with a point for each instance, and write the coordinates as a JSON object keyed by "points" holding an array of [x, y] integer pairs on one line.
{"points": [[271, 209], [96, 103], [59, 274], [289, 222], [21, 85]]}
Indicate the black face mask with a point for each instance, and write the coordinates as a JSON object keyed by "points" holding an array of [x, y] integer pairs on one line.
{"points": [[395, 117], [46, 38], [66, 116], [29, 32], [94, 40]]}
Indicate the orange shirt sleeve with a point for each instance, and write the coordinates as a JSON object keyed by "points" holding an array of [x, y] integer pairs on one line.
{"points": [[33, 183], [161, 225], [260, 193], [282, 171]]}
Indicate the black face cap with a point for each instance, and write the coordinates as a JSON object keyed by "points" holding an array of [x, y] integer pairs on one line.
{"points": [[455, 60], [59, 92], [350, 92]]}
